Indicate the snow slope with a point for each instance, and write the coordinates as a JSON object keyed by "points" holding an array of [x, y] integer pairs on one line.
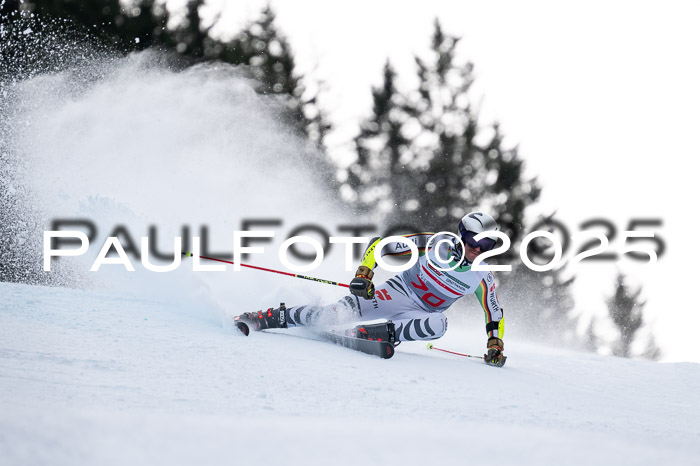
{"points": [[147, 370], [100, 377]]}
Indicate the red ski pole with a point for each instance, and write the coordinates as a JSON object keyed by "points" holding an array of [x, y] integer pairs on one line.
{"points": [[432, 347], [320, 280]]}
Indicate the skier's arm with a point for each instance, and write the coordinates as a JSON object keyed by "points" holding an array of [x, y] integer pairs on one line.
{"points": [[368, 259], [395, 248], [362, 285], [493, 315]]}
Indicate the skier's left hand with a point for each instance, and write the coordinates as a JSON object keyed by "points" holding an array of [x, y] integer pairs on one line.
{"points": [[494, 355]]}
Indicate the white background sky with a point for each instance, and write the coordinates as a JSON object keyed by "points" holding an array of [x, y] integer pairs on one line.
{"points": [[602, 98]]}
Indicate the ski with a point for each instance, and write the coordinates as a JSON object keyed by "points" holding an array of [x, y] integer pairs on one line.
{"points": [[382, 349], [243, 327]]}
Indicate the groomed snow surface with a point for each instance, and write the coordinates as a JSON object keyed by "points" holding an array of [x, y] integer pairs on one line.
{"points": [[90, 377]]}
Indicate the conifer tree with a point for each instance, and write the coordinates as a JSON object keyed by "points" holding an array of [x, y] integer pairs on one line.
{"points": [[267, 52], [380, 175], [447, 168], [509, 193], [652, 351], [191, 37], [261, 46], [590, 339], [625, 310], [138, 24], [141, 25], [447, 164], [419, 154]]}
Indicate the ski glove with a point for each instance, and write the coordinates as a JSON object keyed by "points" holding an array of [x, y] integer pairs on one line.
{"points": [[494, 352], [362, 285]]}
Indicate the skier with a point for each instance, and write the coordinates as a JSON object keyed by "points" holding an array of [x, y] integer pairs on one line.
{"points": [[413, 302]]}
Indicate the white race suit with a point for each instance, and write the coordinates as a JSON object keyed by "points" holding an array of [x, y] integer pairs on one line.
{"points": [[415, 299]]}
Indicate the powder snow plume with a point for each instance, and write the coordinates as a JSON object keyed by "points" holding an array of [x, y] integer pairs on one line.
{"points": [[137, 142]]}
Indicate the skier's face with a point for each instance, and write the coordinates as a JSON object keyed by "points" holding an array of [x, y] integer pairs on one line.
{"points": [[472, 247], [471, 253]]}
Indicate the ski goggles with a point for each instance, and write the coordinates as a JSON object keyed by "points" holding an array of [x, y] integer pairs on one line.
{"points": [[486, 244]]}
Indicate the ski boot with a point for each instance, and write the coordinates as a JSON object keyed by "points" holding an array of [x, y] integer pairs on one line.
{"points": [[380, 332], [262, 320]]}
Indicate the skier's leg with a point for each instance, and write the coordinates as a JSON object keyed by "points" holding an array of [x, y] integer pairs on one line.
{"points": [[345, 310], [411, 321], [419, 325]]}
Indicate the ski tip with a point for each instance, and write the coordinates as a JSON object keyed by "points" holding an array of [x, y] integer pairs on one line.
{"points": [[243, 327], [389, 352], [429, 346]]}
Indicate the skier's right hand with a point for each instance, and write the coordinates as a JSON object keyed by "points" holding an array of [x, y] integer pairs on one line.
{"points": [[362, 285]]}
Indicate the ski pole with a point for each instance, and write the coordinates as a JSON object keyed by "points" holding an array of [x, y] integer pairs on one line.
{"points": [[432, 347], [320, 280]]}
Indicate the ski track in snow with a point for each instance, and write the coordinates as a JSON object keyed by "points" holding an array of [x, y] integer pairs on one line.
{"points": [[89, 377]]}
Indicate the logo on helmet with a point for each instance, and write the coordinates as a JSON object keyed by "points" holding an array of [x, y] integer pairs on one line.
{"points": [[474, 214]]}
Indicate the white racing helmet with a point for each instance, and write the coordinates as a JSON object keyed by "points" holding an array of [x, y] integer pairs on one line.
{"points": [[474, 223]]}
